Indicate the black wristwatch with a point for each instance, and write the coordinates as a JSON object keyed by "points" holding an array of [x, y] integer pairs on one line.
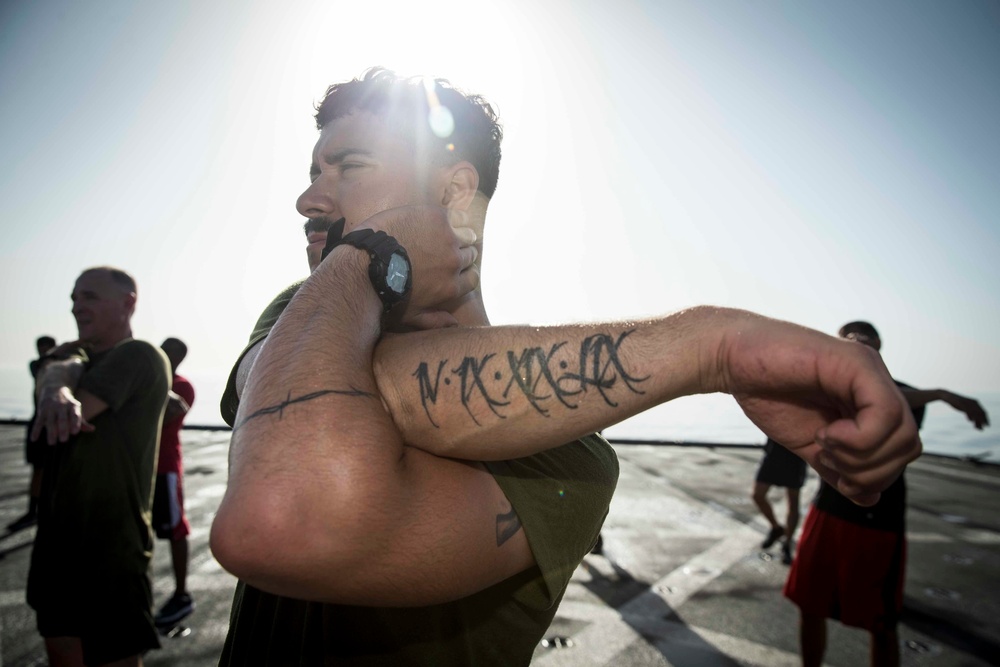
{"points": [[389, 268]]}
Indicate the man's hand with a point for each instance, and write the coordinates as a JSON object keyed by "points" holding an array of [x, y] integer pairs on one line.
{"points": [[60, 414], [970, 406], [66, 349], [440, 244], [830, 401], [59, 353], [176, 408]]}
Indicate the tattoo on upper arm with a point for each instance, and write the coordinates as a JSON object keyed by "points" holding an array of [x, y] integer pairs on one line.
{"points": [[279, 409], [545, 378], [507, 526]]}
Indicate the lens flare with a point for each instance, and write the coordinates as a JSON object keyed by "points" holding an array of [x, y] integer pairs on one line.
{"points": [[441, 121], [439, 117]]}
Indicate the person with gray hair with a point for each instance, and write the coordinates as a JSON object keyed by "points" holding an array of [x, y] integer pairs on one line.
{"points": [[100, 406]]}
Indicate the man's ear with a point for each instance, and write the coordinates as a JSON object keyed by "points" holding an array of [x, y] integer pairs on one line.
{"points": [[460, 185], [130, 300]]}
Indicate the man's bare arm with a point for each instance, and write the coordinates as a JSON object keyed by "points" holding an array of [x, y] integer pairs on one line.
{"points": [[968, 406], [321, 481], [176, 407], [63, 411], [503, 392]]}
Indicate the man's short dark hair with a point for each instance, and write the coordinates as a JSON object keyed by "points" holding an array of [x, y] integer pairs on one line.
{"points": [[45, 341], [174, 346], [859, 327], [412, 104], [118, 276]]}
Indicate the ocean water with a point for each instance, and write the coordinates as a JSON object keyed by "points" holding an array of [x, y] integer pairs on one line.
{"points": [[711, 418], [717, 418], [15, 395]]}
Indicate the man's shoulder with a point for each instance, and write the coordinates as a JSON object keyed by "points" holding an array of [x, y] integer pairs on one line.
{"points": [[230, 403], [136, 346], [131, 351], [271, 313], [132, 368]]}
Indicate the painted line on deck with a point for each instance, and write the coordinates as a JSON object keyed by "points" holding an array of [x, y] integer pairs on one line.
{"points": [[613, 632]]}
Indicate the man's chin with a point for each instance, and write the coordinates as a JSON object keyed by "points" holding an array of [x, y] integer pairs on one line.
{"points": [[86, 337]]}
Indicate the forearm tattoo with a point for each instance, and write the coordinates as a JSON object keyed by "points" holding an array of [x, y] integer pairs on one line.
{"points": [[279, 409], [507, 526], [546, 378]]}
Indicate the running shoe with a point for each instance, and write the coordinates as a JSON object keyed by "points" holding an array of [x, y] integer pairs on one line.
{"points": [[175, 609], [772, 537]]}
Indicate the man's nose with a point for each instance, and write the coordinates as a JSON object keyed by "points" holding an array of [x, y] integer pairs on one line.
{"points": [[316, 202]]}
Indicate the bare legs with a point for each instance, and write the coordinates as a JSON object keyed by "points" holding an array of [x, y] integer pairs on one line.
{"points": [[64, 651], [179, 556], [180, 604], [759, 496], [792, 521], [787, 532], [812, 638]]}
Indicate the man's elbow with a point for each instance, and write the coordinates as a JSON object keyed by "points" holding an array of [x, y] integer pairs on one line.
{"points": [[258, 541], [280, 543], [239, 541]]}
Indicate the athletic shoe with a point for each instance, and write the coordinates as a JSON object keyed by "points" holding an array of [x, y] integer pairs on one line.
{"points": [[176, 608], [26, 521], [772, 537], [786, 553]]}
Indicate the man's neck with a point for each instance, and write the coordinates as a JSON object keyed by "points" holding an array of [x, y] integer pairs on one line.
{"points": [[470, 310]]}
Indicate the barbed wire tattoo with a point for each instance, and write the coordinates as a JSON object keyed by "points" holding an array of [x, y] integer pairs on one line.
{"points": [[279, 409]]}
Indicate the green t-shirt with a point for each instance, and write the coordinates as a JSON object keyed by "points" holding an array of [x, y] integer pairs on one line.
{"points": [[94, 512], [561, 497]]}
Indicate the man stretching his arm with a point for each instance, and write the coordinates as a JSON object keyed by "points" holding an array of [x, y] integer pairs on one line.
{"points": [[422, 497]]}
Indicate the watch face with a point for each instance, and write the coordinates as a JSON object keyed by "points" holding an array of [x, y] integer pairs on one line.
{"points": [[397, 273]]}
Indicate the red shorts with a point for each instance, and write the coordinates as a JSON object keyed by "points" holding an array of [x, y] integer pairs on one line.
{"points": [[847, 572], [169, 520]]}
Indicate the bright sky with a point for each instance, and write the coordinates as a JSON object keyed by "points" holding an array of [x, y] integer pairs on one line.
{"points": [[814, 161]]}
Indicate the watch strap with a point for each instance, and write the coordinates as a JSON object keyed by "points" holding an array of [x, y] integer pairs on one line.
{"points": [[333, 236], [380, 248], [377, 243]]}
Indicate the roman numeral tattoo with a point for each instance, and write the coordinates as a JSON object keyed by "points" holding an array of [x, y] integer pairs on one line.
{"points": [[279, 409], [547, 378]]}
